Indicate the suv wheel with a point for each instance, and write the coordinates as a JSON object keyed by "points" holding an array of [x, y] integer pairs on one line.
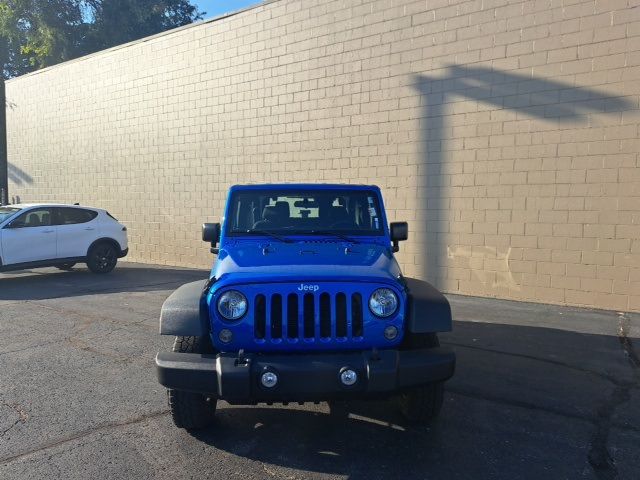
{"points": [[421, 405], [102, 258], [191, 411]]}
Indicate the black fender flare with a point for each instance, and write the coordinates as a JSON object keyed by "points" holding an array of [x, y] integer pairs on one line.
{"points": [[428, 310], [185, 313]]}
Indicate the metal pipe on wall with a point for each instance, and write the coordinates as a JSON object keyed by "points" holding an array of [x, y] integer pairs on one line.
{"points": [[4, 183]]}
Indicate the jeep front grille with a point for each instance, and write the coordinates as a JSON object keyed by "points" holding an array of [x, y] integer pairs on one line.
{"points": [[321, 316]]}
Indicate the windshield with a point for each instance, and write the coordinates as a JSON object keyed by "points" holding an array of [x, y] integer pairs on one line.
{"points": [[6, 212], [305, 212]]}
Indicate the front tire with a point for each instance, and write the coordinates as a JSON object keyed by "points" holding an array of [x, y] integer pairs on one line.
{"points": [[339, 409], [191, 411], [421, 405], [102, 258]]}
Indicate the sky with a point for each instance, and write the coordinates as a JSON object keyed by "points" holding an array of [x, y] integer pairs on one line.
{"points": [[215, 8]]}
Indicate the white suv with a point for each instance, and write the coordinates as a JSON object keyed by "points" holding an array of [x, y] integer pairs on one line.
{"points": [[46, 235]]}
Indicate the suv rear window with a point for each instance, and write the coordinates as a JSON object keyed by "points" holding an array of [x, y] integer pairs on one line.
{"points": [[71, 216]]}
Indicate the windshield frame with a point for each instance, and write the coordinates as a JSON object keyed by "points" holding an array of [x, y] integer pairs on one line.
{"points": [[382, 233]]}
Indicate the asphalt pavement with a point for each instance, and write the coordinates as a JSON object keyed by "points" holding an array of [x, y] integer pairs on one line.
{"points": [[540, 392]]}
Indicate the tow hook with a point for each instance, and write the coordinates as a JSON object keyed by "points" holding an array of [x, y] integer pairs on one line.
{"points": [[241, 361]]}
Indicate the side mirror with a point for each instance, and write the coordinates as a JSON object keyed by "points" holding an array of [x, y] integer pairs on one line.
{"points": [[399, 232], [211, 234]]}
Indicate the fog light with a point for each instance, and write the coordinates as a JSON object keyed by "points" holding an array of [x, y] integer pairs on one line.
{"points": [[390, 332], [348, 377], [269, 379], [225, 335]]}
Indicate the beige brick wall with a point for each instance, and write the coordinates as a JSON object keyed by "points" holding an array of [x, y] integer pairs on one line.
{"points": [[505, 132]]}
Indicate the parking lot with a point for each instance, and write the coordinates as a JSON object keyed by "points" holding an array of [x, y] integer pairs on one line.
{"points": [[540, 392]]}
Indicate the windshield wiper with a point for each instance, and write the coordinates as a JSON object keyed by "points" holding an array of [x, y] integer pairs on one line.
{"points": [[270, 234], [335, 234]]}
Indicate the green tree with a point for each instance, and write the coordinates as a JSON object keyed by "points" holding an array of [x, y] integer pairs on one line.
{"points": [[38, 33], [121, 21]]}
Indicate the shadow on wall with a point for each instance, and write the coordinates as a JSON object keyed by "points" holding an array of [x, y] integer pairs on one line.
{"points": [[18, 176], [530, 98]]}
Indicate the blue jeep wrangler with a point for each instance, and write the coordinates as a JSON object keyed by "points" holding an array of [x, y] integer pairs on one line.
{"points": [[305, 302]]}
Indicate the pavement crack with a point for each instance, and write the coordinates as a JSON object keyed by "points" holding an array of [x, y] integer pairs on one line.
{"points": [[533, 407], [518, 403], [99, 290], [88, 319], [84, 433], [22, 416], [599, 456], [625, 343], [29, 347], [557, 363], [272, 472]]}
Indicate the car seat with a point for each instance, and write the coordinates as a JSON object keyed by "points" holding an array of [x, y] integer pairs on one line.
{"points": [[271, 218], [339, 218], [33, 220], [284, 211]]}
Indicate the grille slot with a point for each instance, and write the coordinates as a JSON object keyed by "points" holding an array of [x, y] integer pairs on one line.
{"points": [[293, 316], [309, 316], [260, 320], [276, 316], [357, 322], [325, 315], [341, 315]]}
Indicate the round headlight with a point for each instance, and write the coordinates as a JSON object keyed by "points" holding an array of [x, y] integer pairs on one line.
{"points": [[232, 305], [383, 302]]}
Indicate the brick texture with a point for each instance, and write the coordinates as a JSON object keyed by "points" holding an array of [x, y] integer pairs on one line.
{"points": [[506, 132]]}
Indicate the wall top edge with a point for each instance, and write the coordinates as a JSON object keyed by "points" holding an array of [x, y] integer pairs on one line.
{"points": [[173, 31]]}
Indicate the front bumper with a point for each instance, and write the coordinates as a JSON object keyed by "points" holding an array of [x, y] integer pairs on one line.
{"points": [[302, 377], [123, 253]]}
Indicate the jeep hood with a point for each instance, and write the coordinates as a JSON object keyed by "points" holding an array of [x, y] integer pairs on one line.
{"points": [[309, 260]]}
